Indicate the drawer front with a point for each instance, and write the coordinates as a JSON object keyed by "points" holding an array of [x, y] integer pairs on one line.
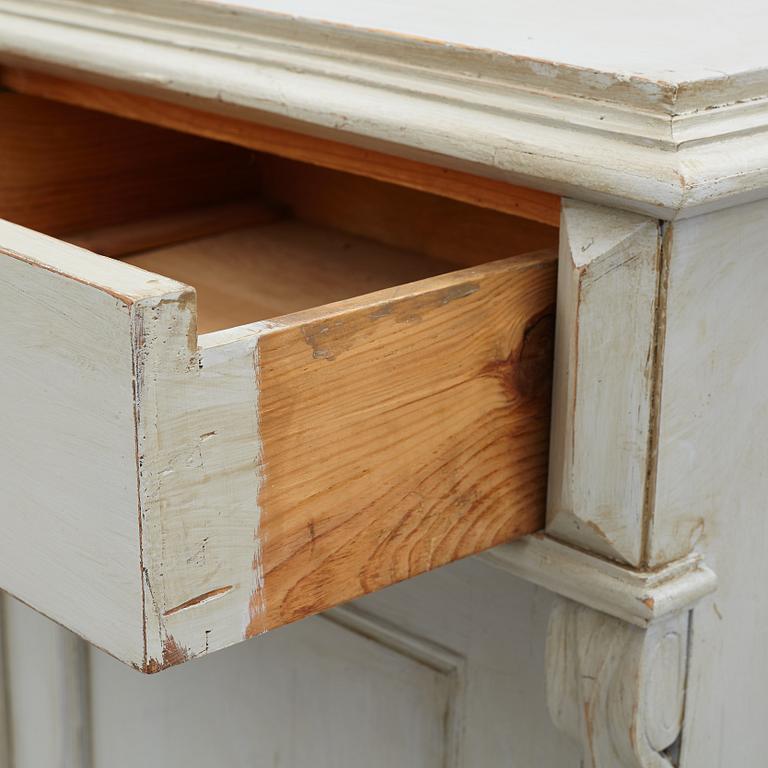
{"points": [[169, 495], [71, 545]]}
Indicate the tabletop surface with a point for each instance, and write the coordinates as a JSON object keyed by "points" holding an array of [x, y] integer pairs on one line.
{"points": [[674, 42], [659, 107]]}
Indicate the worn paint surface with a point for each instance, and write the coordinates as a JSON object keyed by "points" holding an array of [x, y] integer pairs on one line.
{"points": [[71, 547], [617, 689], [604, 380], [712, 482], [201, 476]]}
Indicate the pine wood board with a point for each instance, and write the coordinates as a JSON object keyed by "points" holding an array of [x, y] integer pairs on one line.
{"points": [[66, 169], [257, 273], [420, 221], [520, 201], [401, 432]]}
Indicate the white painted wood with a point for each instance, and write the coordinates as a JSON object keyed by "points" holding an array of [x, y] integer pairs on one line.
{"points": [[101, 357], [721, 43], [6, 754], [608, 279], [678, 142], [199, 491], [310, 694], [616, 683], [456, 656], [617, 689], [664, 146], [69, 452], [639, 597], [75, 686], [49, 690], [712, 483], [82, 329], [426, 652], [498, 622]]}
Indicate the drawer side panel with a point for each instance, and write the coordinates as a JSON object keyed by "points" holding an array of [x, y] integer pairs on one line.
{"points": [[402, 431]]}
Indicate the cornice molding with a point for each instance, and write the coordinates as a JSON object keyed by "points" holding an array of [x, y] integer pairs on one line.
{"points": [[662, 149]]}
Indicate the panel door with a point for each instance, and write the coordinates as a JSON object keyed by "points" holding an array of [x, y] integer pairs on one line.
{"points": [[445, 671]]}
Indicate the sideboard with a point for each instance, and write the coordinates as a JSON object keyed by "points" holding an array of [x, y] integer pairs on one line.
{"points": [[384, 381]]}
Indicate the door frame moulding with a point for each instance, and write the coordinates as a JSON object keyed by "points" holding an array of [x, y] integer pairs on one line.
{"points": [[449, 664]]}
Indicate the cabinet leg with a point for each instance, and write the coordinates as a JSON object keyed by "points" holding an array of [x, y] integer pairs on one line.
{"points": [[617, 688]]}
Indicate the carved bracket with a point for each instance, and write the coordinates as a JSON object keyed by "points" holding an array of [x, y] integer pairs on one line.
{"points": [[616, 647], [616, 688]]}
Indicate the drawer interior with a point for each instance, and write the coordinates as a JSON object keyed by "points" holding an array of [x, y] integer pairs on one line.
{"points": [[258, 236]]}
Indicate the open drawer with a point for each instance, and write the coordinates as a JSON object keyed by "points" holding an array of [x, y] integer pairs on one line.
{"points": [[357, 393]]}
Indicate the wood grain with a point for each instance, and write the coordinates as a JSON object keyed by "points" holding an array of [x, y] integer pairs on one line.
{"points": [[290, 465], [66, 169], [487, 193], [208, 489], [185, 226], [258, 474], [402, 431], [430, 224], [257, 273]]}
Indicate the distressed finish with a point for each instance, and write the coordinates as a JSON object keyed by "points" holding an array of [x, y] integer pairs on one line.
{"points": [[604, 380], [638, 597], [419, 675], [657, 460], [617, 689], [712, 483], [342, 384], [264, 473], [617, 659], [67, 320]]}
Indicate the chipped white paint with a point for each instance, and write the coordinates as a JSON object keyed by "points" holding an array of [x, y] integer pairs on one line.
{"points": [[615, 688], [169, 461], [103, 365], [603, 379], [534, 31], [343, 693], [667, 147], [635, 596], [200, 490], [387, 693], [617, 658]]}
